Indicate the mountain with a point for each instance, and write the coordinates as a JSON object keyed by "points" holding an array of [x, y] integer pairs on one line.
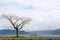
{"points": [[41, 32], [8, 31], [57, 31]]}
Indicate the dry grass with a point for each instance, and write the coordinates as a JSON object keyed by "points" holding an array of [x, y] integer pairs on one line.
{"points": [[28, 35]]}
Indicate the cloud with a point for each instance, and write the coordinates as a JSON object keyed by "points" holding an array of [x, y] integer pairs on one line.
{"points": [[14, 6], [44, 13]]}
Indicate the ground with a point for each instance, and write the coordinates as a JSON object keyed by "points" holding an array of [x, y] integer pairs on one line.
{"points": [[30, 36]]}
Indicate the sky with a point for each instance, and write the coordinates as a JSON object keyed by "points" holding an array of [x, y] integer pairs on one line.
{"points": [[45, 14]]}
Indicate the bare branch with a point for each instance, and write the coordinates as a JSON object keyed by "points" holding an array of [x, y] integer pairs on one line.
{"points": [[24, 22], [20, 24], [21, 27], [14, 20], [9, 18]]}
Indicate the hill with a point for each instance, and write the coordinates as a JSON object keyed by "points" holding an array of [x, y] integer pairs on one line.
{"points": [[8, 31], [57, 31]]}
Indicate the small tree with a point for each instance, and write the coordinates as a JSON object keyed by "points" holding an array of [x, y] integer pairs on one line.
{"points": [[17, 22]]}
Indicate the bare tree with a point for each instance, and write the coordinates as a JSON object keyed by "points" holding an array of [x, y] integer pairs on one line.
{"points": [[17, 22]]}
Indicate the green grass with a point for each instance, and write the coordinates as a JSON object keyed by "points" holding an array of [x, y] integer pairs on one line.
{"points": [[29, 36], [17, 37], [13, 37]]}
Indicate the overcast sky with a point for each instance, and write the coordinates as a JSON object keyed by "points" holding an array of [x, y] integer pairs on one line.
{"points": [[45, 14]]}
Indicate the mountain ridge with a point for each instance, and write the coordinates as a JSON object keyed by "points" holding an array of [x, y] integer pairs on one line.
{"points": [[57, 31], [8, 31]]}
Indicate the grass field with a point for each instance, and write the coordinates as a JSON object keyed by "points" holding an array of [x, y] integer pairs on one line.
{"points": [[30, 37]]}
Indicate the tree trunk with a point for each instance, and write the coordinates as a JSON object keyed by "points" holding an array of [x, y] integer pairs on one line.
{"points": [[16, 32]]}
